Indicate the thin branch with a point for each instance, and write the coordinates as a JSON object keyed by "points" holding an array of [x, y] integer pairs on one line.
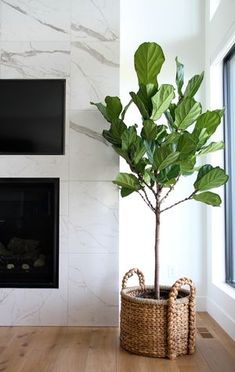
{"points": [[179, 202], [147, 198], [169, 191], [146, 184], [147, 201]]}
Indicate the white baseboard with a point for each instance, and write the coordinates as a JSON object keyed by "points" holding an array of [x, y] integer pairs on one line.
{"points": [[201, 302], [221, 317]]}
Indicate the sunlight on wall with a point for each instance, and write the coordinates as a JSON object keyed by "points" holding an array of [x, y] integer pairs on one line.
{"points": [[214, 4]]}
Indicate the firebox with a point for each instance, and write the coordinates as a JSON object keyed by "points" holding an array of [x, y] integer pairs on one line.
{"points": [[29, 232]]}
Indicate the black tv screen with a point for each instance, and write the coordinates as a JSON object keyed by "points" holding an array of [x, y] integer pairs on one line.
{"points": [[32, 116]]}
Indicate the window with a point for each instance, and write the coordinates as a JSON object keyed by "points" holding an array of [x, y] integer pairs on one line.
{"points": [[229, 130]]}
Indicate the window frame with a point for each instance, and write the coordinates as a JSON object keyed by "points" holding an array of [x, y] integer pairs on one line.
{"points": [[228, 190]]}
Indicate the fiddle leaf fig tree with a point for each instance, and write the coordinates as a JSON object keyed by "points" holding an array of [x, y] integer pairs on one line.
{"points": [[173, 135]]}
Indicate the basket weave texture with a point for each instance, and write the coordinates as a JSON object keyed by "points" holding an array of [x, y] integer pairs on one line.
{"points": [[158, 328]]}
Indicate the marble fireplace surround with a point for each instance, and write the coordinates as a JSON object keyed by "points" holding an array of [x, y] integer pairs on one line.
{"points": [[79, 41]]}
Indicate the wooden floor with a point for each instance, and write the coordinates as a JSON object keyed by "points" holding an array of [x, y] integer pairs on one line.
{"points": [[70, 349]]}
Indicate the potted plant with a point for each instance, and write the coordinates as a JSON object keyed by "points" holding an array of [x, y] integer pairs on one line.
{"points": [[160, 321]]}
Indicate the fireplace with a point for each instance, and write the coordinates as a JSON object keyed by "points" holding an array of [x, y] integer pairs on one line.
{"points": [[29, 232]]}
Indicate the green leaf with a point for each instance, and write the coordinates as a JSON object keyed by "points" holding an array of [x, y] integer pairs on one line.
{"points": [[161, 100], [122, 153], [220, 112], [148, 59], [102, 109], [163, 157], [209, 121], [186, 145], [171, 158], [126, 192], [187, 112], [171, 138], [114, 134], [150, 147], [145, 93], [149, 130], [125, 109], [203, 170], [193, 85], [137, 101], [187, 166], [213, 146], [128, 137], [169, 119], [128, 181], [179, 78], [161, 133], [138, 151], [114, 107], [215, 177], [209, 198]]}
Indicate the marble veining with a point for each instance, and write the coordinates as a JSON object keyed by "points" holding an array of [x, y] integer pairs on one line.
{"points": [[95, 53], [24, 20], [93, 34], [34, 59], [21, 10], [95, 20]]}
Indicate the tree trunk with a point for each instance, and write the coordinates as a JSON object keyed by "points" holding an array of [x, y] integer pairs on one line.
{"points": [[157, 241]]}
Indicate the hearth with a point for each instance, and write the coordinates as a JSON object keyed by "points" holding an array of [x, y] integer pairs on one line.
{"points": [[29, 232]]}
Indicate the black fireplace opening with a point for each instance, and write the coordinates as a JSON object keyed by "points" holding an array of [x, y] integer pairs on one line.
{"points": [[29, 232]]}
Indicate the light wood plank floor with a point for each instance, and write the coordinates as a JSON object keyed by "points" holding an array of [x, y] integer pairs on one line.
{"points": [[75, 349]]}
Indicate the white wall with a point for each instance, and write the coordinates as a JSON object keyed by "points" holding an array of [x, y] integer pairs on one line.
{"points": [[178, 26], [220, 36], [77, 40]]}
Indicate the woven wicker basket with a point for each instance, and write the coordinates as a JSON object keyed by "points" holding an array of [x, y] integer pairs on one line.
{"points": [[158, 328]]}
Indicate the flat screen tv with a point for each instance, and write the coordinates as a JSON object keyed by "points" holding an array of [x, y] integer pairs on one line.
{"points": [[32, 116]]}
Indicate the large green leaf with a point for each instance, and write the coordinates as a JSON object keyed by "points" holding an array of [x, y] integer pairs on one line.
{"points": [[113, 107], [128, 181], [161, 100], [215, 177], [148, 59], [149, 130], [193, 85], [137, 101], [163, 157], [179, 78], [187, 112], [213, 146], [208, 197]]}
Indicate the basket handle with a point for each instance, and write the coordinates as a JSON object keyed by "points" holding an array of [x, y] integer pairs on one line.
{"points": [[171, 316], [129, 274]]}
